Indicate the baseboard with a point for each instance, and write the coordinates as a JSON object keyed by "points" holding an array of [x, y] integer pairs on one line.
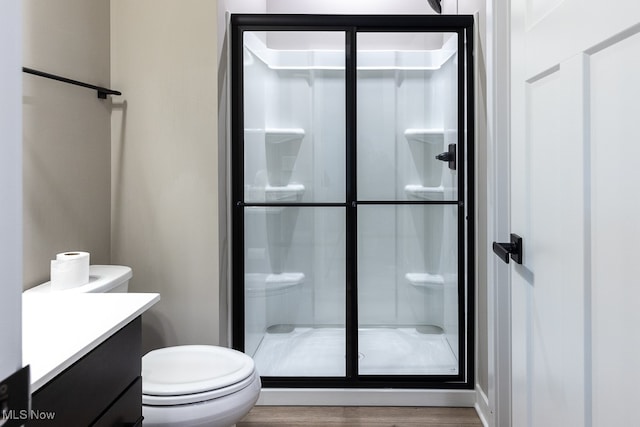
{"points": [[366, 397], [482, 406]]}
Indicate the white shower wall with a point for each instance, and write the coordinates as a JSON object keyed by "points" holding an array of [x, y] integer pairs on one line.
{"points": [[305, 90], [311, 100], [396, 241]]}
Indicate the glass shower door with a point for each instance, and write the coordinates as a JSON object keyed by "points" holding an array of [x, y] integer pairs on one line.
{"points": [[352, 231], [294, 202], [407, 109]]}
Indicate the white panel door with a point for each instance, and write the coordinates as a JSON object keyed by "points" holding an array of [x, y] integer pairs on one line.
{"points": [[575, 145], [614, 88]]}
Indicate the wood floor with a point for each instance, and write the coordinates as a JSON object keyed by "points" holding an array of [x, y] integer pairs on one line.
{"points": [[355, 416]]}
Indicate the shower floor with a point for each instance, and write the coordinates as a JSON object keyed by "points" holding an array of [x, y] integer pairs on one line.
{"points": [[382, 351]]}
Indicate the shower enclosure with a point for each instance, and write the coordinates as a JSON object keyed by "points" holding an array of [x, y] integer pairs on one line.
{"points": [[352, 191]]}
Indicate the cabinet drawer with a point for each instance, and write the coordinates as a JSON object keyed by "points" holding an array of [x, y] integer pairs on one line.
{"points": [[86, 389], [126, 411]]}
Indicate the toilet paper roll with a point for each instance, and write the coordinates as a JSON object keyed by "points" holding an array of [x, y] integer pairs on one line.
{"points": [[69, 270]]}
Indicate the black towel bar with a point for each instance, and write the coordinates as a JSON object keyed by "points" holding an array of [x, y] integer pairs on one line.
{"points": [[102, 91]]}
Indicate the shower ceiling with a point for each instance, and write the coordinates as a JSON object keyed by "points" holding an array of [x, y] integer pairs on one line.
{"points": [[373, 7]]}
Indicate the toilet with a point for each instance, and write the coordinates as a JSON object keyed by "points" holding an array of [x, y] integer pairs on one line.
{"points": [[188, 385]]}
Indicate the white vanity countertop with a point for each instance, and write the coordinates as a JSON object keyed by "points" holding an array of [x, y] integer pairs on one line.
{"points": [[57, 330]]}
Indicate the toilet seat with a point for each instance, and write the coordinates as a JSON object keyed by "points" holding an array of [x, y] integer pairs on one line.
{"points": [[186, 399], [193, 373]]}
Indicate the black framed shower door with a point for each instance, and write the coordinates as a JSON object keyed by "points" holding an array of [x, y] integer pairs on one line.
{"points": [[352, 199]]}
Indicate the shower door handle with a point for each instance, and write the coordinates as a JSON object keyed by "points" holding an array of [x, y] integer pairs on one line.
{"points": [[449, 156], [512, 249]]}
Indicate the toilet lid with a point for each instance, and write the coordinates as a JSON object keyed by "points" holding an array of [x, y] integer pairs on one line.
{"points": [[189, 369]]}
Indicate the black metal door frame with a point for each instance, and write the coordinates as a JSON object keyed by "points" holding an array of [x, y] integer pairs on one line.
{"points": [[351, 25]]}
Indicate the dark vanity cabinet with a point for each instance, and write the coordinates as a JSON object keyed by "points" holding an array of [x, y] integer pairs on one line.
{"points": [[103, 388]]}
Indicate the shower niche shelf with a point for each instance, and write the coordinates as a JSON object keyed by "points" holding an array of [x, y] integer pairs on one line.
{"points": [[427, 136], [285, 193], [425, 280], [282, 147], [280, 135], [267, 284], [290, 193], [424, 193]]}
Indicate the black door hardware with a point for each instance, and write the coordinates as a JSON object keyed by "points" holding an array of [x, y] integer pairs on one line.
{"points": [[449, 156], [513, 249]]}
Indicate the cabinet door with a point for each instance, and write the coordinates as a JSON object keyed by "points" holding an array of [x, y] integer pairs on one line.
{"points": [[88, 388]]}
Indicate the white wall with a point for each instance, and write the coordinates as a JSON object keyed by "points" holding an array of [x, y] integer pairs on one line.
{"points": [[11, 188], [66, 134], [165, 164], [482, 151], [493, 354], [224, 7]]}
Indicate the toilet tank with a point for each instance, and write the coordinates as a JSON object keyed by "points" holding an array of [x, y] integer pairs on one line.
{"points": [[102, 279]]}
